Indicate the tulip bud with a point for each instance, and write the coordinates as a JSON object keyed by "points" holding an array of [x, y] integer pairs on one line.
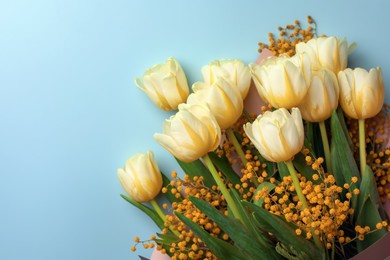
{"points": [[282, 81], [328, 52], [322, 97], [361, 92], [141, 177], [231, 70], [191, 133], [165, 84], [223, 99], [278, 135]]}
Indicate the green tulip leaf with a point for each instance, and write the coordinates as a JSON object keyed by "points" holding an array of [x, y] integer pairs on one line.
{"points": [[369, 216], [224, 166], [313, 134], [341, 117], [197, 168], [220, 248], [242, 237], [150, 212], [284, 232], [368, 188], [283, 170], [343, 162]]}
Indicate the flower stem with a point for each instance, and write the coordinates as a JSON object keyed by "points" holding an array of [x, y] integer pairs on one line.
{"points": [[301, 197], [223, 188], [157, 208], [362, 147], [237, 146], [232, 138], [325, 144]]}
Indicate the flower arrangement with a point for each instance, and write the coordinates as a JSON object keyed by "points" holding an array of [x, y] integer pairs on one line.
{"points": [[302, 176]]}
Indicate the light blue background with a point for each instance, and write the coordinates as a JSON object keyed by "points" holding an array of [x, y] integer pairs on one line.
{"points": [[70, 114]]}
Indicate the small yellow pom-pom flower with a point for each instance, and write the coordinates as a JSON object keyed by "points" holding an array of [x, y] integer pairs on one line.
{"points": [[354, 179], [136, 239]]}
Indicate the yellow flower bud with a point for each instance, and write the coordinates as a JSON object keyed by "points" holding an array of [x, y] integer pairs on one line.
{"points": [[191, 133], [141, 177], [322, 96], [278, 135], [361, 92], [165, 84], [234, 71], [223, 99], [328, 52], [282, 81]]}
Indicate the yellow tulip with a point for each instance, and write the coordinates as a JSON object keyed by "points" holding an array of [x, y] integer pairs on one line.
{"points": [[282, 81], [361, 92], [190, 133], [231, 70], [322, 97], [277, 135], [223, 99], [328, 52], [165, 84], [141, 177]]}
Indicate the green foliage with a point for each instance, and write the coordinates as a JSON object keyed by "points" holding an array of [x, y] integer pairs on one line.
{"points": [[243, 237], [220, 248], [150, 212], [285, 233], [197, 168]]}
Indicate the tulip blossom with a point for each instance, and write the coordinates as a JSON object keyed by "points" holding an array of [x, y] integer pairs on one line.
{"points": [[282, 81], [328, 52], [231, 70], [277, 135], [165, 84], [223, 99], [322, 97], [191, 133], [141, 177], [361, 92]]}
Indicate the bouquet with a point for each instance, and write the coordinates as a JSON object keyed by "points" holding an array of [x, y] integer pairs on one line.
{"points": [[302, 174]]}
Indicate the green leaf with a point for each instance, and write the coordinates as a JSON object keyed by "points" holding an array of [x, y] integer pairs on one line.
{"points": [[167, 238], [284, 232], [220, 248], [248, 220], [270, 187], [368, 188], [341, 117], [241, 236], [313, 134], [169, 194], [150, 212], [197, 168], [369, 216], [283, 170], [343, 162], [224, 166]]}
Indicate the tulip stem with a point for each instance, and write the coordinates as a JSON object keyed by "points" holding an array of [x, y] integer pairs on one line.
{"points": [[301, 197], [325, 144], [362, 147], [157, 208], [223, 188], [232, 138]]}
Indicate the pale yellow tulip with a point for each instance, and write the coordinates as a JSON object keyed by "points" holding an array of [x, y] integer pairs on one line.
{"points": [[277, 135], [191, 133], [361, 92], [141, 177], [165, 84]]}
